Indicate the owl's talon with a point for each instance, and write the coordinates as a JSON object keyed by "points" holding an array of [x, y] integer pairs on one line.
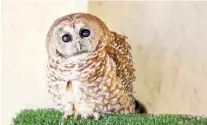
{"points": [[77, 116], [96, 115], [85, 116], [65, 116]]}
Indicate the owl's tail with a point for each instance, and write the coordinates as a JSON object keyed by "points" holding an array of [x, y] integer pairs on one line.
{"points": [[139, 107]]}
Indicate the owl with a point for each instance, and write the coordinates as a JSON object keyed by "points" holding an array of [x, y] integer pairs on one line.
{"points": [[90, 69]]}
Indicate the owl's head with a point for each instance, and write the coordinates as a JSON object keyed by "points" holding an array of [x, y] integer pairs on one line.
{"points": [[76, 34]]}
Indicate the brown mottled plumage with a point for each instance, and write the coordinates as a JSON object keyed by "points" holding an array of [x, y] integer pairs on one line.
{"points": [[90, 68]]}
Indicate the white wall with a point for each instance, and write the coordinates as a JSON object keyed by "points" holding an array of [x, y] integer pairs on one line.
{"points": [[25, 25], [169, 44], [169, 47]]}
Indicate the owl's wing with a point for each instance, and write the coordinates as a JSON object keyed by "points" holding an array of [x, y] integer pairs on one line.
{"points": [[119, 51]]}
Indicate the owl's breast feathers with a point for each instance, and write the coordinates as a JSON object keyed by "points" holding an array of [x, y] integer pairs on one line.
{"points": [[87, 70], [98, 81]]}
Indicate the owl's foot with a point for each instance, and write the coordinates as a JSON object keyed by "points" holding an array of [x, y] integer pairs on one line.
{"points": [[95, 116], [66, 115], [68, 110]]}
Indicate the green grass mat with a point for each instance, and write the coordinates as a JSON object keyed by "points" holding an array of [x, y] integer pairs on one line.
{"points": [[53, 117]]}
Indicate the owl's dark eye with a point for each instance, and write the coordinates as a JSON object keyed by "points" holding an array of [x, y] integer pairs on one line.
{"points": [[84, 33], [67, 38]]}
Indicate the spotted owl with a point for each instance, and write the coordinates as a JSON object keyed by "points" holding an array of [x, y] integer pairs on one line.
{"points": [[90, 69]]}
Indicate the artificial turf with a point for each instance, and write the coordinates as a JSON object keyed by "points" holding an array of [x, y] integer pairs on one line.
{"points": [[54, 117]]}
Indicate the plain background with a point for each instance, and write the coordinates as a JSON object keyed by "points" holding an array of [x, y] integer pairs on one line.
{"points": [[169, 48]]}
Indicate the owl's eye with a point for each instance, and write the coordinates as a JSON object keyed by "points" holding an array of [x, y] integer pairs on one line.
{"points": [[67, 38], [84, 33]]}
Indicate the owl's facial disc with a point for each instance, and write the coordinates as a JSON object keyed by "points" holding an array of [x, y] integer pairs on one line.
{"points": [[77, 34], [73, 41]]}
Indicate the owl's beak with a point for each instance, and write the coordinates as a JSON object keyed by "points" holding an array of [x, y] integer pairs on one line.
{"points": [[78, 46]]}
